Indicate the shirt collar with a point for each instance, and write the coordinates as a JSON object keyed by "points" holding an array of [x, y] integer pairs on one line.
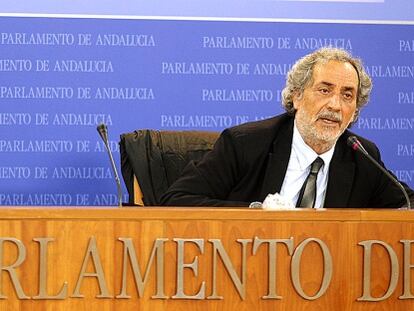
{"points": [[306, 155]]}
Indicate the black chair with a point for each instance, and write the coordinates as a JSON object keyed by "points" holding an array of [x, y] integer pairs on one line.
{"points": [[152, 160]]}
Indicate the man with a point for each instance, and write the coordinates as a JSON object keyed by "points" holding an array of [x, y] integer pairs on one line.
{"points": [[324, 94]]}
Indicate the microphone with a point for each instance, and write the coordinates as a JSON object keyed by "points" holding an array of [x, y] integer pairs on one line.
{"points": [[355, 144], [103, 132]]}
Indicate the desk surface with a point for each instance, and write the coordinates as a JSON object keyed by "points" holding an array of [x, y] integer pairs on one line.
{"points": [[204, 213]]}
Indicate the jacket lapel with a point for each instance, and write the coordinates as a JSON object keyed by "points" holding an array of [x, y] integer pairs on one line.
{"points": [[278, 161], [341, 176]]}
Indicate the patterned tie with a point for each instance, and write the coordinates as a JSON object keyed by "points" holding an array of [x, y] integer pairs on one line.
{"points": [[307, 194]]}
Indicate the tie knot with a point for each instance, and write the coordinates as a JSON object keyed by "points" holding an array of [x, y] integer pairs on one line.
{"points": [[316, 166]]}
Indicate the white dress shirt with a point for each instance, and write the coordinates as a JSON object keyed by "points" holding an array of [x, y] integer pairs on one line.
{"points": [[301, 158]]}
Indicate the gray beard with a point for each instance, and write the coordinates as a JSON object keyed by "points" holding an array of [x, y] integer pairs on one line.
{"points": [[318, 139]]}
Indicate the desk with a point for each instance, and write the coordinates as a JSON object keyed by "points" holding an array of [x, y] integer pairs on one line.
{"points": [[59, 258]]}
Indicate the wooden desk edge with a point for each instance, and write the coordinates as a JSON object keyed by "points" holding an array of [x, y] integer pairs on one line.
{"points": [[203, 213]]}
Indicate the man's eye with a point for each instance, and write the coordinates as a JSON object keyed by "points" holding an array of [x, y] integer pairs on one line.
{"points": [[348, 96], [324, 90]]}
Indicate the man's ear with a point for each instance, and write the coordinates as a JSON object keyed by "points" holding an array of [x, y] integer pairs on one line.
{"points": [[296, 98], [355, 115]]}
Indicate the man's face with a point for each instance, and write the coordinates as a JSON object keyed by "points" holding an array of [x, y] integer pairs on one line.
{"points": [[327, 105]]}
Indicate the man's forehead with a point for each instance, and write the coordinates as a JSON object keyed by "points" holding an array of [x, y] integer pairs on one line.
{"points": [[335, 73]]}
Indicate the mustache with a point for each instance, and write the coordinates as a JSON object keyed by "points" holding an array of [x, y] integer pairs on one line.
{"points": [[330, 115]]}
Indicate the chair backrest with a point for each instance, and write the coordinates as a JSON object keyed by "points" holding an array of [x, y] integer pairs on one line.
{"points": [[156, 159]]}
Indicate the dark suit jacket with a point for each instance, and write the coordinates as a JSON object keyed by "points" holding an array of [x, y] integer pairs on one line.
{"points": [[249, 161]]}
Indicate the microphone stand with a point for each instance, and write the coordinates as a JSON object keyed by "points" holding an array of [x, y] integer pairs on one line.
{"points": [[103, 132], [355, 144]]}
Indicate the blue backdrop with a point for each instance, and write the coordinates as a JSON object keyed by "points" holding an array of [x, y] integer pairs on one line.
{"points": [[63, 75]]}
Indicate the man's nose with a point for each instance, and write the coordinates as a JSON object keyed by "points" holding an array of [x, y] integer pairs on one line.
{"points": [[334, 102]]}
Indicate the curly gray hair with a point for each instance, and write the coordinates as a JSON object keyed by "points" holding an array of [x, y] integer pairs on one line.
{"points": [[300, 76]]}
